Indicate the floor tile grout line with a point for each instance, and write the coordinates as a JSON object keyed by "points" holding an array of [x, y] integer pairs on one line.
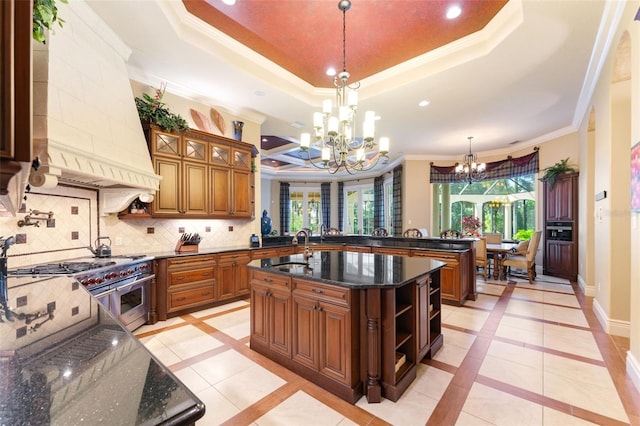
{"points": [[451, 402], [543, 349], [629, 395], [547, 402]]}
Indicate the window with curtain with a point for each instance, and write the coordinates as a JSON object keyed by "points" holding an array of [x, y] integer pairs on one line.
{"points": [[504, 202], [305, 209], [388, 205]]}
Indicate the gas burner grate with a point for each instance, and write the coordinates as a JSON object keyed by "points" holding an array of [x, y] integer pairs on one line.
{"points": [[63, 268]]}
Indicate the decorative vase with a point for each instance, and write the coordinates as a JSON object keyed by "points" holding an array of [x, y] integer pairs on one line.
{"points": [[265, 225], [237, 130]]}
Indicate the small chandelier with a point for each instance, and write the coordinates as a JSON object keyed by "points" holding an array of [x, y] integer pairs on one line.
{"points": [[334, 136], [470, 170]]}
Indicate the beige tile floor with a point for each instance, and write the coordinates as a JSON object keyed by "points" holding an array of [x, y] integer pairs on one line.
{"points": [[520, 354]]}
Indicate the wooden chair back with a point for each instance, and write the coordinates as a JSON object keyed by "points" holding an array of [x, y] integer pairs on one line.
{"points": [[332, 231], [481, 248], [451, 233], [493, 237], [412, 233], [380, 232]]}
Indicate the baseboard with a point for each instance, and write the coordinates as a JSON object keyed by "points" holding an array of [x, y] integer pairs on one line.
{"points": [[633, 370], [614, 327], [587, 290]]}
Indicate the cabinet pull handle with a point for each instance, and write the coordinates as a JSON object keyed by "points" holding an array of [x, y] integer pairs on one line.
{"points": [[206, 293], [180, 278], [268, 280], [180, 299], [315, 290], [206, 274]]}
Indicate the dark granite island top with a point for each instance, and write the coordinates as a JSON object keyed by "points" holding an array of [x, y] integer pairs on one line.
{"points": [[65, 360], [351, 269], [353, 323]]}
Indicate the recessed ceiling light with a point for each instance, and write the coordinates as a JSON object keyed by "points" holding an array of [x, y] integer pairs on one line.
{"points": [[453, 12], [229, 2], [331, 71], [265, 140], [424, 103]]}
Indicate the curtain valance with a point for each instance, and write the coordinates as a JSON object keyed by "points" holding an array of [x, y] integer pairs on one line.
{"points": [[503, 169]]}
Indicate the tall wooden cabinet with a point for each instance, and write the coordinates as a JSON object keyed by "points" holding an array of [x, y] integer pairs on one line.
{"points": [[15, 101], [203, 175], [561, 228]]}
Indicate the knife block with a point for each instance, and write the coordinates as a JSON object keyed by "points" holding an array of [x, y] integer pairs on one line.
{"points": [[181, 247]]}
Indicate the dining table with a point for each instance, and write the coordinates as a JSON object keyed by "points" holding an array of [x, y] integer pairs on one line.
{"points": [[499, 252]]}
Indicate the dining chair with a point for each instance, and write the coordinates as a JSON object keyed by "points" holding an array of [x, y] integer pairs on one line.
{"points": [[380, 232], [493, 237], [527, 261], [412, 233], [451, 233], [332, 231], [481, 256]]}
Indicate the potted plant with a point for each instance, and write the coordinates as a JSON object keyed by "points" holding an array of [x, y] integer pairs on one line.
{"points": [[45, 14], [153, 110], [561, 167]]}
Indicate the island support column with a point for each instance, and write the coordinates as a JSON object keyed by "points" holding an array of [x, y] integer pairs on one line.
{"points": [[373, 304]]}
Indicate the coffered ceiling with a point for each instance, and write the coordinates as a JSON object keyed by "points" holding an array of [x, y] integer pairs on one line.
{"points": [[515, 72]]}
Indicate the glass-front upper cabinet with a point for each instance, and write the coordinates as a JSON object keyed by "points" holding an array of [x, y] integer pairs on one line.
{"points": [[195, 150], [166, 144], [220, 154], [241, 159]]}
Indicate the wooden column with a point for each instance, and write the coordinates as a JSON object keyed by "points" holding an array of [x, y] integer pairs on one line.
{"points": [[373, 390]]}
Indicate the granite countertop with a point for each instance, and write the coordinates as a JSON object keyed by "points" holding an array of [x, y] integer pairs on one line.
{"points": [[65, 360], [351, 269]]}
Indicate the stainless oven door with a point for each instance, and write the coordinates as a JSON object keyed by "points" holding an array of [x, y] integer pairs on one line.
{"points": [[129, 302]]}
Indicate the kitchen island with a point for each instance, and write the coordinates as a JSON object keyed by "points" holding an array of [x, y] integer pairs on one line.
{"points": [[65, 360], [354, 323]]}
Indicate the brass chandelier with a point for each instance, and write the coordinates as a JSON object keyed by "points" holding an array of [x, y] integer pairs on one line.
{"points": [[470, 170], [334, 136]]}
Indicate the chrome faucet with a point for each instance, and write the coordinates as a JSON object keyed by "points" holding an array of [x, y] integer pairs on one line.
{"points": [[308, 253]]}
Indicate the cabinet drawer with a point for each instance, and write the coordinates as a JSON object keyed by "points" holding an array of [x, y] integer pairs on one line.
{"points": [[181, 299], [190, 276], [391, 251], [329, 293], [271, 279], [445, 257], [359, 249], [238, 256], [188, 261]]}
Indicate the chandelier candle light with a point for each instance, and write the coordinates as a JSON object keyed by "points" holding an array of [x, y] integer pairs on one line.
{"points": [[470, 170], [334, 135]]}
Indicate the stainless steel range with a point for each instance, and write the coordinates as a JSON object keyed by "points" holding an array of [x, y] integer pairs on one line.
{"points": [[120, 283]]}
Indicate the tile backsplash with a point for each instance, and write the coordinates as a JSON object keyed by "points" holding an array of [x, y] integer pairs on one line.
{"points": [[76, 224]]}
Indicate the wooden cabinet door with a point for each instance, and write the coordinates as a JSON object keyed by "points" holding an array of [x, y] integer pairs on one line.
{"points": [[167, 199], [259, 315], [220, 184], [226, 280], [241, 194], [450, 282], [241, 279], [559, 201], [279, 336], [194, 182], [305, 331], [560, 259], [334, 334]]}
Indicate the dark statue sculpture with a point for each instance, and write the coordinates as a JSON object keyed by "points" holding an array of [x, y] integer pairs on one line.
{"points": [[265, 224]]}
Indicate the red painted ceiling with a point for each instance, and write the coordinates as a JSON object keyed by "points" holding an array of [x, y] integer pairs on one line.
{"points": [[305, 36]]}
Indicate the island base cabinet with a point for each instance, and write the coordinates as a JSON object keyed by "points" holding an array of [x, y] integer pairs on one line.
{"points": [[271, 319], [322, 337]]}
